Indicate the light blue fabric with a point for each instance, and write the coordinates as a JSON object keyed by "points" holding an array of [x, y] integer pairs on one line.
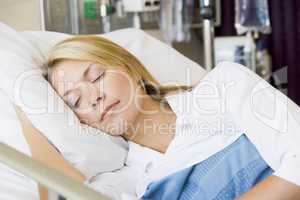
{"points": [[223, 176]]}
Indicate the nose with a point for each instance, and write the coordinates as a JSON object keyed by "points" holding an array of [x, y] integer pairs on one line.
{"points": [[91, 94], [96, 97], [97, 100]]}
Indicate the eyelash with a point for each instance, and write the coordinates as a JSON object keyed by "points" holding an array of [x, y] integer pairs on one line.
{"points": [[77, 102], [99, 77]]}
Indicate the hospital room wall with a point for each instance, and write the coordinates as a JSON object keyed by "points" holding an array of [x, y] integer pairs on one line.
{"points": [[21, 14]]}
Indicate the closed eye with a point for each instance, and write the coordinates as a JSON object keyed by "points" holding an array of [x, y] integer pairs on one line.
{"points": [[99, 77], [76, 105], [73, 99]]}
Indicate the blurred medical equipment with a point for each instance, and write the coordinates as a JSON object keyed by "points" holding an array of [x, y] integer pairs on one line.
{"points": [[238, 49], [74, 16], [106, 10], [98, 16], [235, 49], [252, 17], [176, 19], [172, 21], [179, 17], [207, 14], [181, 21], [230, 49], [78, 16], [140, 6]]}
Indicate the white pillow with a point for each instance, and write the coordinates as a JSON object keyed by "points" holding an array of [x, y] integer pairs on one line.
{"points": [[88, 149], [165, 63]]}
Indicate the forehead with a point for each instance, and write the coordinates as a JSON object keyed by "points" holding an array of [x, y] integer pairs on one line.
{"points": [[68, 72]]}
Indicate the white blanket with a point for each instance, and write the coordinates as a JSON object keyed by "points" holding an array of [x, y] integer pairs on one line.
{"points": [[229, 101]]}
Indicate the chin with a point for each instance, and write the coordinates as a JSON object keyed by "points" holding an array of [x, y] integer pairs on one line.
{"points": [[116, 134], [116, 127]]}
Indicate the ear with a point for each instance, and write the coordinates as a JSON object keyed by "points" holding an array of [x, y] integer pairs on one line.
{"points": [[142, 83], [152, 89]]}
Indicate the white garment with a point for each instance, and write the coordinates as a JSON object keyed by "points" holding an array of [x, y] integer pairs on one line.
{"points": [[121, 184], [229, 101]]}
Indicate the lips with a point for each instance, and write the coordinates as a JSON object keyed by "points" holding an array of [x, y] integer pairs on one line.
{"points": [[108, 108]]}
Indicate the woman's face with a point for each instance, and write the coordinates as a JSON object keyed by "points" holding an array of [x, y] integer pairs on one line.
{"points": [[102, 98]]}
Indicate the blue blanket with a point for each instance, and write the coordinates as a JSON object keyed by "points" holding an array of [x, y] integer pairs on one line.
{"points": [[226, 175]]}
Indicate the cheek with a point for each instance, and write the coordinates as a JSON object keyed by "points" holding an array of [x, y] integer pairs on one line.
{"points": [[121, 87], [126, 114]]}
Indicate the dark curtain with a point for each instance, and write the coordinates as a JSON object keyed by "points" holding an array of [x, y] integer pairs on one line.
{"points": [[227, 19], [283, 43]]}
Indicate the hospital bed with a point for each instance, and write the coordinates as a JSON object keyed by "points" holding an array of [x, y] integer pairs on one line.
{"points": [[136, 158], [104, 159]]}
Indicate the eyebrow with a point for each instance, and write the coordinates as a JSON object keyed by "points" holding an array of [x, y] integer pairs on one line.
{"points": [[85, 73]]}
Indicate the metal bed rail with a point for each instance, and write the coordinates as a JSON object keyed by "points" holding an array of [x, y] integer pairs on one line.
{"points": [[48, 177]]}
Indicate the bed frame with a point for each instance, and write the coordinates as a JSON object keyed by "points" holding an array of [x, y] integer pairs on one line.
{"points": [[48, 177]]}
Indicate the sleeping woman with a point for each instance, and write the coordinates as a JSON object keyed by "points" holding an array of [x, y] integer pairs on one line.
{"points": [[110, 89]]}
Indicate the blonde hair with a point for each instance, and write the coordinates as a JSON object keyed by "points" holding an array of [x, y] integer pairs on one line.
{"points": [[109, 54]]}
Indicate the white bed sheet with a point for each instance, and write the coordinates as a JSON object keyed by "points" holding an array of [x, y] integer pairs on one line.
{"points": [[121, 184]]}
